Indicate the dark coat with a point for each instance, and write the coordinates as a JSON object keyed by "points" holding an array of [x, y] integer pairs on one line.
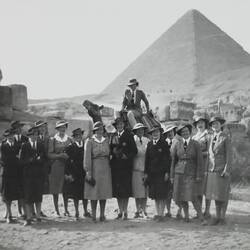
{"points": [[33, 171], [122, 168], [157, 164], [74, 168], [12, 175]]}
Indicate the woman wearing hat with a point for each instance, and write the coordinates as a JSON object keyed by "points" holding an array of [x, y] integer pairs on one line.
{"points": [[157, 169], [219, 167], [123, 151], [169, 134], [75, 173], [12, 176], [139, 190], [98, 184], [58, 156], [32, 156], [203, 138], [186, 170]]}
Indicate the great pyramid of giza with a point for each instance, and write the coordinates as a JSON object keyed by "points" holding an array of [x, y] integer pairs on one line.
{"points": [[193, 59]]}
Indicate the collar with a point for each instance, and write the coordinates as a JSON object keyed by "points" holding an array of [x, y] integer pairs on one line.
{"points": [[32, 143], [187, 140], [18, 137], [132, 90], [120, 133], [58, 138], [199, 135], [9, 143], [217, 134], [79, 144], [96, 140], [155, 141], [169, 141]]}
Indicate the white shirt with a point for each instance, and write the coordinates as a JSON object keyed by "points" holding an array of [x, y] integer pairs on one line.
{"points": [[187, 140], [79, 144], [133, 92], [33, 143], [155, 141], [97, 140], [120, 133], [58, 138], [8, 142]]}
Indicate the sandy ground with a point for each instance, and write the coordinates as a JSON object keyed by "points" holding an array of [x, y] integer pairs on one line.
{"points": [[65, 233]]}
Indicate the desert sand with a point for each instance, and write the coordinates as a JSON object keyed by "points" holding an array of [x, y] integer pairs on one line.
{"points": [[65, 233]]}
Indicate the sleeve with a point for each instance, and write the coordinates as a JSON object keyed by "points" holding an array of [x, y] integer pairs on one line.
{"points": [[87, 162], [145, 100], [228, 151], [51, 152], [132, 147], [199, 159], [146, 169], [167, 158], [125, 101], [173, 160], [24, 156]]}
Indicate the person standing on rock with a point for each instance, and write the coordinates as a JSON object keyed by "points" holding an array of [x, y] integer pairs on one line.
{"points": [[98, 181], [186, 170], [123, 151], [32, 156], [58, 156], [219, 168], [139, 190], [11, 189], [132, 102], [203, 138], [157, 171]]}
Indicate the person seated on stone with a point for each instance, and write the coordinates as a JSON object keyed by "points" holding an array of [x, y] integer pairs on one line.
{"points": [[132, 102]]}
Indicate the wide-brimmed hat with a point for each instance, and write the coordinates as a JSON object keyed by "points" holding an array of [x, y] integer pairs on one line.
{"points": [[182, 126], [16, 124], [32, 130], [97, 125], [138, 126], [40, 123], [168, 128], [77, 131], [199, 118], [133, 81], [61, 123], [110, 129], [154, 128], [8, 132], [217, 119], [117, 120]]}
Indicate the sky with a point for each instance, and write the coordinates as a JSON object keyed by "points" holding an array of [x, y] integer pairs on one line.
{"points": [[64, 48]]}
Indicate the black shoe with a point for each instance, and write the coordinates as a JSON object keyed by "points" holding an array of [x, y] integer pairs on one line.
{"points": [[9, 220], [43, 215], [215, 222], [155, 217], [222, 222], [38, 219], [87, 215], [125, 216], [168, 215], [187, 220], [94, 219], [27, 223], [137, 215], [160, 219], [119, 216], [67, 214], [179, 216], [102, 218]]}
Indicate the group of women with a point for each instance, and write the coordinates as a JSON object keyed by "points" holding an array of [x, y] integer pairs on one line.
{"points": [[159, 163]]}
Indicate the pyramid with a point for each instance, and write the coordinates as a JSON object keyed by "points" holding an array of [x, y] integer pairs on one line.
{"points": [[184, 61]]}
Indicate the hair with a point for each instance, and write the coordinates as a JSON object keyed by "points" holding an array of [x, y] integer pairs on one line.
{"points": [[186, 126]]}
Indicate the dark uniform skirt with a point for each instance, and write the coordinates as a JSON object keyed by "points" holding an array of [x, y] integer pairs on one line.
{"points": [[218, 188], [184, 188], [74, 189], [159, 189]]}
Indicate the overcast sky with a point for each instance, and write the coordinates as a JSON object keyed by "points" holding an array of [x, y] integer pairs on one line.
{"points": [[73, 47]]}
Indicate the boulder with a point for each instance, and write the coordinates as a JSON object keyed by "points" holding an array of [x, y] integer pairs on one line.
{"points": [[5, 96], [19, 97]]}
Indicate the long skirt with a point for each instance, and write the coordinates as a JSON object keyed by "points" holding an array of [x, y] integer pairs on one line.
{"points": [[11, 189], [138, 188], [218, 188], [184, 188], [56, 177], [102, 175], [75, 189], [158, 188]]}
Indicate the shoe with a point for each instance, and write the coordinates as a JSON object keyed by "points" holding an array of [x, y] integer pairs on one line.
{"points": [[160, 219], [119, 216], [137, 215], [87, 215], [27, 223], [222, 222], [155, 217], [125, 216], [168, 215], [187, 220], [215, 222], [38, 219], [195, 217], [179, 216], [43, 215], [102, 218], [9, 220], [207, 216], [94, 219], [67, 214], [23, 217]]}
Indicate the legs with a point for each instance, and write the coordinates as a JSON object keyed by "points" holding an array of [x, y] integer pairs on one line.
{"points": [[221, 208], [168, 206], [85, 208], [76, 205], [140, 206], [207, 209], [159, 205], [132, 114], [93, 208], [123, 208], [65, 203], [102, 209], [186, 210], [8, 212], [55, 201]]}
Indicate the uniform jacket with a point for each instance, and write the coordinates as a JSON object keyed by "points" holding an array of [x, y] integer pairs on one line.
{"points": [[129, 103], [189, 162], [157, 159], [220, 153]]}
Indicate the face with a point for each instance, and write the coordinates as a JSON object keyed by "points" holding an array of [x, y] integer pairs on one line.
{"points": [[78, 137], [133, 87], [140, 132], [201, 125], [120, 126], [170, 134], [185, 133], [43, 129], [156, 134], [99, 131], [10, 138], [216, 126], [62, 129]]}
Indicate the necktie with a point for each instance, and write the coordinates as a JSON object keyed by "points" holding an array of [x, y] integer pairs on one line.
{"points": [[214, 141], [140, 140], [133, 97], [155, 142], [185, 145]]}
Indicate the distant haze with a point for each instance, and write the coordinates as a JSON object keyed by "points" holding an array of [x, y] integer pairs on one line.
{"points": [[64, 48]]}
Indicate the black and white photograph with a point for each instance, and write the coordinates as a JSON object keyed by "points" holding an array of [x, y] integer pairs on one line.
{"points": [[124, 124]]}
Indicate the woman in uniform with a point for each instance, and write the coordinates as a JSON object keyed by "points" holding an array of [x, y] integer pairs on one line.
{"points": [[157, 170], [123, 151], [218, 180], [11, 189], [186, 170], [98, 183], [58, 157], [139, 190], [203, 138], [33, 156]]}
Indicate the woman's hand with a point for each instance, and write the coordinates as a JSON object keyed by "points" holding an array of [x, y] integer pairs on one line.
{"points": [[224, 173], [172, 180], [166, 177]]}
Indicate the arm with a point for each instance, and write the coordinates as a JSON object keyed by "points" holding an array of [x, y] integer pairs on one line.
{"points": [[173, 161], [145, 100], [132, 147], [146, 169], [199, 161], [87, 161], [228, 151]]}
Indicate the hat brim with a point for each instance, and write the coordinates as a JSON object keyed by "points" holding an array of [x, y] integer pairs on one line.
{"points": [[154, 129], [200, 119], [41, 124], [220, 120], [144, 127], [179, 129], [169, 129], [78, 133], [62, 124]]}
